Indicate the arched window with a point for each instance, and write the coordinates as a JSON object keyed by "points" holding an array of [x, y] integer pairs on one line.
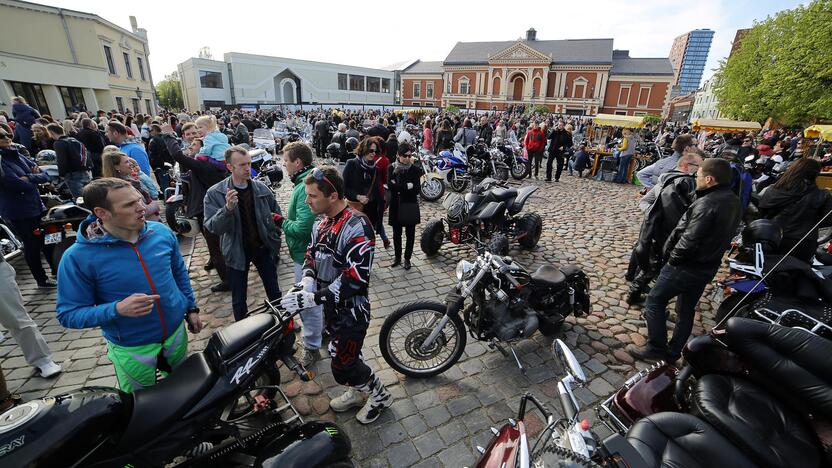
{"points": [[579, 86], [464, 85], [495, 89]]}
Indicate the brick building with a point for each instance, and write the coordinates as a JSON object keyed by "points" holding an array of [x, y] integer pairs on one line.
{"points": [[577, 76]]}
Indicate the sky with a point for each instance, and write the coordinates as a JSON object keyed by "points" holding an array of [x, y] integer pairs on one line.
{"points": [[356, 33]]}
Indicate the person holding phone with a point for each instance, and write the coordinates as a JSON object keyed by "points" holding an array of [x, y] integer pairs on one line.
{"points": [[126, 276]]}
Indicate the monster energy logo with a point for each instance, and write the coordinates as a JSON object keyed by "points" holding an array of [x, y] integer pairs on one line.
{"points": [[15, 443], [332, 431]]}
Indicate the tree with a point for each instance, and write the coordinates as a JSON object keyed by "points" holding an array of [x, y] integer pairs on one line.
{"points": [[169, 91], [782, 68]]}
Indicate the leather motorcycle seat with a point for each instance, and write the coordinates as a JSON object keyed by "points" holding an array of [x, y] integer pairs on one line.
{"points": [[156, 408], [239, 335], [502, 194], [769, 432], [678, 439], [548, 275]]}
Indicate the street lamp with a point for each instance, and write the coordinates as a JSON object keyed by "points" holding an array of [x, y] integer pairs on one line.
{"points": [[138, 92]]}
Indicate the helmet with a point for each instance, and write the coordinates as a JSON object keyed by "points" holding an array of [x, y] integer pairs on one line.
{"points": [[333, 150], [765, 232], [46, 157], [274, 173], [457, 208], [351, 144], [778, 163], [293, 137]]}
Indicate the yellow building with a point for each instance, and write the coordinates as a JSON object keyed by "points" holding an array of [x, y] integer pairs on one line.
{"points": [[64, 60]]}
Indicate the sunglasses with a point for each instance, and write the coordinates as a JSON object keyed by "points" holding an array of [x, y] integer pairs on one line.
{"points": [[320, 175], [372, 151], [408, 155]]}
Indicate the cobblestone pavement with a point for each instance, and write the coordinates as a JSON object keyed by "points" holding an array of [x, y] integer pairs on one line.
{"points": [[436, 421]]}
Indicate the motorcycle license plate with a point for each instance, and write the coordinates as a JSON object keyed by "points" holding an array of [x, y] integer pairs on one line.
{"points": [[719, 295], [52, 238]]}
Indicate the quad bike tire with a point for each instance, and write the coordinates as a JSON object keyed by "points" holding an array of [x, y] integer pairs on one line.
{"points": [[498, 245], [433, 235], [529, 229]]}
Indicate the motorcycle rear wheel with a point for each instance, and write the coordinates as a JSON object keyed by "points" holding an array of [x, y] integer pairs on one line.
{"points": [[243, 404], [408, 358], [60, 249]]}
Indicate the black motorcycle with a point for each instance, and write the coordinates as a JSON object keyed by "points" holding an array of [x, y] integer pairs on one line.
{"points": [[485, 162], [218, 408], [490, 213], [507, 303]]}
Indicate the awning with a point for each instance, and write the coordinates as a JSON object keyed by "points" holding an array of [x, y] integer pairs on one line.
{"points": [[625, 121], [725, 125], [822, 131]]}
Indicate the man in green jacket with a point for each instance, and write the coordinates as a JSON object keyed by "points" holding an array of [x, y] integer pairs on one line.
{"points": [[297, 226]]}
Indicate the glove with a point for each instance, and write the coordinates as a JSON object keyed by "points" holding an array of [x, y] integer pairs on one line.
{"points": [[278, 220], [307, 283], [295, 301], [410, 185]]}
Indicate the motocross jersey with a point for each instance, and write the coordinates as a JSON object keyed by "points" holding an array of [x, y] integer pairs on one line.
{"points": [[339, 257]]}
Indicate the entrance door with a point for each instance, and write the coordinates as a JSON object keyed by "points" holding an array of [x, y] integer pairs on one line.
{"points": [[519, 83]]}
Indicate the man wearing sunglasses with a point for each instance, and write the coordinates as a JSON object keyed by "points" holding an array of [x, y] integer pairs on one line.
{"points": [[336, 274]]}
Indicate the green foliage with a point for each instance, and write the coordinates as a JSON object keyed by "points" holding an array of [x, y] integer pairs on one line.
{"points": [[782, 69], [169, 91], [452, 109], [538, 109], [652, 119]]}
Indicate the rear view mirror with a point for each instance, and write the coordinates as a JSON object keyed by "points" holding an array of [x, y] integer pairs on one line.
{"points": [[568, 361]]}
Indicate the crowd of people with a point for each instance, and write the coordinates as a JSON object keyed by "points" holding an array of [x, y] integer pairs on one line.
{"points": [[126, 276]]}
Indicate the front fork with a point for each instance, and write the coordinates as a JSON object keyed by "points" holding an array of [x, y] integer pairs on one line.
{"points": [[454, 303]]}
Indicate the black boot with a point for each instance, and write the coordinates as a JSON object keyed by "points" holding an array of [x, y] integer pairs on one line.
{"points": [[407, 264], [396, 262]]}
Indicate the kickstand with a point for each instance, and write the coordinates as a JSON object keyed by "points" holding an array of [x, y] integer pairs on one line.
{"points": [[493, 344], [517, 360]]}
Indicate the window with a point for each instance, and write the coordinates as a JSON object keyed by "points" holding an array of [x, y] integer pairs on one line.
{"points": [[620, 112], [463, 85], [119, 104], [643, 96], [623, 96], [141, 68], [342, 81], [417, 89], [356, 82], [148, 107], [108, 54], [429, 90], [210, 79], [136, 109], [373, 84], [385, 85], [448, 84], [73, 99], [127, 64], [33, 94]]}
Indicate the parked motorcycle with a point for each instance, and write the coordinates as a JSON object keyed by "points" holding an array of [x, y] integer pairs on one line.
{"points": [[10, 245], [512, 156], [453, 168], [506, 303], [490, 213], [59, 227], [221, 407], [432, 187], [175, 204]]}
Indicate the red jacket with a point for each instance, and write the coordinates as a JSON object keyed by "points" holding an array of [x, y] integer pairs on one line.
{"points": [[381, 170], [535, 141]]}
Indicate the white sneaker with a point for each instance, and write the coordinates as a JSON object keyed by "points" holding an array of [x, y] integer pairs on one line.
{"points": [[50, 369], [350, 399], [372, 409]]}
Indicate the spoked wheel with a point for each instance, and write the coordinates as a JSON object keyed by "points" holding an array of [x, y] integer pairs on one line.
{"points": [[407, 328], [432, 189], [518, 170]]}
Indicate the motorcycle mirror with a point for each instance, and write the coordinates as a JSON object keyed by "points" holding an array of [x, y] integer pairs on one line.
{"points": [[568, 361]]}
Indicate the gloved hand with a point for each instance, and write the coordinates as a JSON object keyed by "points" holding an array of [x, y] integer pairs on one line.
{"points": [[307, 283], [295, 301]]}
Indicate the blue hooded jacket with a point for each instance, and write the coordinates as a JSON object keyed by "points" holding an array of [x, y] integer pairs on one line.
{"points": [[136, 151], [96, 273]]}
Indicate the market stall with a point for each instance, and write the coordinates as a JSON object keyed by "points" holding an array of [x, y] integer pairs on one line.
{"points": [[602, 128], [821, 132]]}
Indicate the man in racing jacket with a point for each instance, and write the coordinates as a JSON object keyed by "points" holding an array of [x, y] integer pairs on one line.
{"points": [[336, 274]]}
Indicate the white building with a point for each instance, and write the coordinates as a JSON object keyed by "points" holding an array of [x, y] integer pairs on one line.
{"points": [[246, 79], [705, 103]]}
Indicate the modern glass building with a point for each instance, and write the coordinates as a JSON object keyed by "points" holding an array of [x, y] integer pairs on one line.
{"points": [[688, 56]]}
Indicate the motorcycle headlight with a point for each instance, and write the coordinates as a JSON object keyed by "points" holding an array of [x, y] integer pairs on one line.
{"points": [[464, 269]]}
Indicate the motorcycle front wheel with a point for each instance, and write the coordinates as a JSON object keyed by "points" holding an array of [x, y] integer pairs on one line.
{"points": [[458, 184], [518, 170], [173, 209], [404, 331], [432, 189]]}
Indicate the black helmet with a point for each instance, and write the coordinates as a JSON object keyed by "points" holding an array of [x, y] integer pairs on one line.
{"points": [[293, 137], [351, 144], [333, 150], [763, 231], [457, 208]]}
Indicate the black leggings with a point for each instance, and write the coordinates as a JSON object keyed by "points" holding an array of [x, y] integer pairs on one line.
{"points": [[410, 235], [32, 247], [557, 155]]}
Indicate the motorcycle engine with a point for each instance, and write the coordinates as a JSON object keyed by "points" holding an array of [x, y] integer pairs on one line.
{"points": [[476, 165], [511, 319]]}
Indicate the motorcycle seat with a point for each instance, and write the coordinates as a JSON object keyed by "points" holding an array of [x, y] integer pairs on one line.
{"points": [[239, 335], [679, 439], [766, 430], [501, 194], [155, 408], [823, 256], [548, 275]]}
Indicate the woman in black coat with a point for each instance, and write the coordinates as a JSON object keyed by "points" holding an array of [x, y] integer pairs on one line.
{"points": [[403, 179]]}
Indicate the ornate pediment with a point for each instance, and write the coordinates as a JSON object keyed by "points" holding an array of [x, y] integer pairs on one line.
{"points": [[520, 52]]}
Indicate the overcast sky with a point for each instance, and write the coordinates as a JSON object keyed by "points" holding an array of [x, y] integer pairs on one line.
{"points": [[375, 34]]}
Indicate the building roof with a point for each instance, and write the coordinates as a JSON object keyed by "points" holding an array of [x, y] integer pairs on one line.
{"points": [[641, 66], [561, 51], [399, 65], [423, 68], [66, 11]]}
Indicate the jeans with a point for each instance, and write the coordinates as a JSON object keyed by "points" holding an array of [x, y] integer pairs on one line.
{"points": [[535, 158], [13, 317], [32, 247], [686, 285], [313, 319], [76, 181], [410, 235], [163, 179], [623, 169], [267, 269], [556, 155], [212, 242]]}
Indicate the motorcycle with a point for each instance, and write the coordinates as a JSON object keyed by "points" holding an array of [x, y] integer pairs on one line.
{"points": [[453, 168], [59, 227], [507, 303], [489, 213], [175, 206], [484, 162], [512, 156], [754, 393], [221, 407], [432, 187], [10, 245]]}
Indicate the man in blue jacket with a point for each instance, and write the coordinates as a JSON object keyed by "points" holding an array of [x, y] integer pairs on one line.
{"points": [[117, 134], [126, 275]]}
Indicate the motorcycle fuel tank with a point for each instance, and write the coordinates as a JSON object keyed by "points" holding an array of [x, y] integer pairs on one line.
{"points": [[59, 431]]}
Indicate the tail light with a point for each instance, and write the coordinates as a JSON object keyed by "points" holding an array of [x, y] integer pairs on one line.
{"points": [[454, 235], [52, 228], [829, 248], [290, 327]]}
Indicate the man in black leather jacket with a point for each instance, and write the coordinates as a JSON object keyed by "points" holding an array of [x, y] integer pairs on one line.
{"points": [[693, 251]]}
